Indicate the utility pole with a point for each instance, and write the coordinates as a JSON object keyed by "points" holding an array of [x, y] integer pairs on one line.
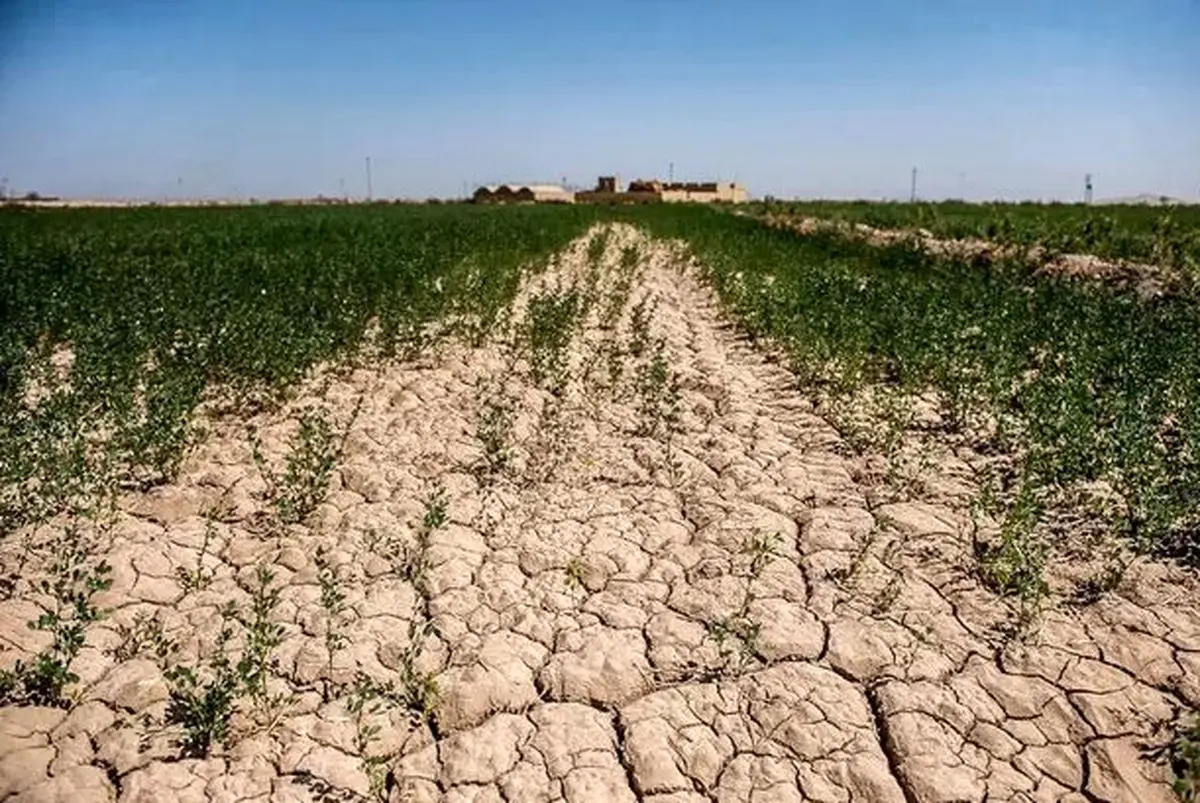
{"points": [[912, 198], [1087, 189], [368, 178], [671, 173]]}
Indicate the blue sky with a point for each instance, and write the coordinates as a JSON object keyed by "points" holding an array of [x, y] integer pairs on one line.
{"points": [[1016, 99]]}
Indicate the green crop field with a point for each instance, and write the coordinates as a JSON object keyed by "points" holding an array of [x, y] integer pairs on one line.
{"points": [[1163, 236], [275, 463], [1085, 382], [161, 306]]}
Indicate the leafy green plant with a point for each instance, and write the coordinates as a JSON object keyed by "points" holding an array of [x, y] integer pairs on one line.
{"points": [[308, 467], [1013, 564], [736, 634], [262, 635], [660, 405], [333, 603], [419, 690], [1184, 754], [493, 430], [116, 324], [597, 246], [658, 395], [74, 578], [1081, 381], [366, 699], [761, 547], [639, 327], [144, 636], [550, 323], [199, 578], [204, 702], [736, 637], [574, 572]]}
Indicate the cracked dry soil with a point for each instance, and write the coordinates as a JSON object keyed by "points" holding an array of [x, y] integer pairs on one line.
{"points": [[735, 618]]}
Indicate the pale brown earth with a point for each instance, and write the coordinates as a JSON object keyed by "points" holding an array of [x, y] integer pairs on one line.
{"points": [[573, 618], [1146, 280]]}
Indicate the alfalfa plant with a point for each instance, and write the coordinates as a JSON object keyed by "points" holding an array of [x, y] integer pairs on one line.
{"points": [[203, 702], [574, 572], [762, 549], [493, 430], [434, 518], [550, 440], [639, 327], [848, 574], [1013, 564], [261, 637], [1184, 754], [146, 635], [618, 297], [333, 603], [660, 405], [67, 611], [420, 689], [369, 699], [597, 246], [549, 327], [737, 634], [659, 395], [199, 578], [736, 637], [308, 467]]}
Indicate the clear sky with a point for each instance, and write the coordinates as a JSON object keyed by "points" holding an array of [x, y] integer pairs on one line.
{"points": [[838, 98]]}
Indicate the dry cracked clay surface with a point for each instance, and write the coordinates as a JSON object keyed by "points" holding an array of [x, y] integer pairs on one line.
{"points": [[724, 609]]}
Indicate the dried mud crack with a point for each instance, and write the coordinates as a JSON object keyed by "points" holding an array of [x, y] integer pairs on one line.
{"points": [[612, 555]]}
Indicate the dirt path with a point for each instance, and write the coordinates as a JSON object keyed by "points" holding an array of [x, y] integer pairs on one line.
{"points": [[604, 616]]}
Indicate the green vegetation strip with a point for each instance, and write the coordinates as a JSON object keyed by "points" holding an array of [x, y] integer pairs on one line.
{"points": [[121, 321], [1083, 382], [1169, 236]]}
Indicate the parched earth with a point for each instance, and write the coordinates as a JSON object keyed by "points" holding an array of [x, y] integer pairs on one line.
{"points": [[732, 612]]}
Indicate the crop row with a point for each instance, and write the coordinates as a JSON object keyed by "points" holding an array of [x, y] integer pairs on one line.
{"points": [[161, 309], [1083, 383], [1168, 237], [122, 322]]}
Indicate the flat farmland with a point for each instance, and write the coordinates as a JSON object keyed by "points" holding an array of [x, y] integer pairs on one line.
{"points": [[581, 503]]}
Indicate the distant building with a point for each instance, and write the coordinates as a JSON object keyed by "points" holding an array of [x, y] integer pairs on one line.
{"points": [[696, 192], [523, 193], [608, 190]]}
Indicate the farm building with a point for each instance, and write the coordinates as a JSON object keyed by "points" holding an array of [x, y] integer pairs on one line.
{"points": [[694, 191], [523, 193], [608, 190]]}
